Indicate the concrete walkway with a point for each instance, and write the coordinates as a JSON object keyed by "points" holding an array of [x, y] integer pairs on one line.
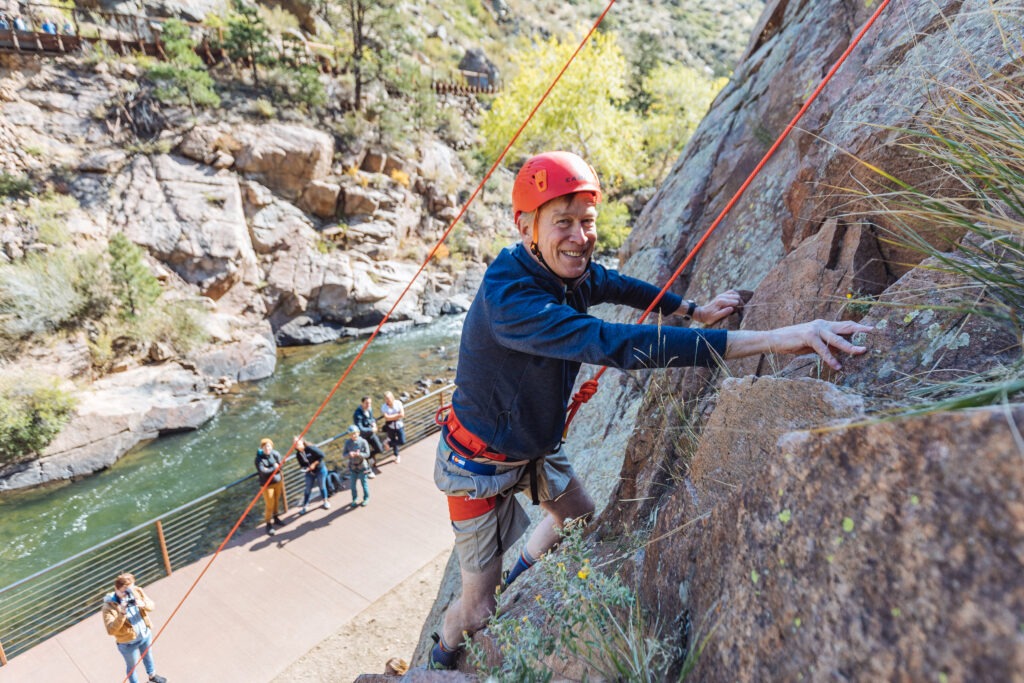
{"points": [[267, 600]]}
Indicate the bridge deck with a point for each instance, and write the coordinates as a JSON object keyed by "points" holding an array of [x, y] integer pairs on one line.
{"points": [[266, 601]]}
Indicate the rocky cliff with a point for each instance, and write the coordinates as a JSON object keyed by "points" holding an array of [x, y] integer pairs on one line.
{"points": [[280, 232], [776, 524]]}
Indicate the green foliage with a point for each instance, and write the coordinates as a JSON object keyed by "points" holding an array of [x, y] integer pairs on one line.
{"points": [[46, 292], [135, 285], [969, 221], [14, 185], [179, 323], [678, 98], [587, 617], [613, 226], [374, 35], [149, 147], [264, 108], [277, 19], [247, 39], [419, 110], [301, 85], [47, 215], [183, 77], [33, 409], [586, 113]]}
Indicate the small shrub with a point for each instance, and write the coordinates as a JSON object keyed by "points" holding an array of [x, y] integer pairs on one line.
{"points": [[264, 108], [136, 286], [48, 215], [14, 185], [43, 293], [178, 323], [33, 409], [588, 616], [149, 147], [400, 177]]}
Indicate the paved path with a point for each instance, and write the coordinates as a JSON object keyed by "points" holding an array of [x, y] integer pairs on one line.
{"points": [[267, 600]]}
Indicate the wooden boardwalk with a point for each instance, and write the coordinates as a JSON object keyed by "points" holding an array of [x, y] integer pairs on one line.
{"points": [[266, 601]]}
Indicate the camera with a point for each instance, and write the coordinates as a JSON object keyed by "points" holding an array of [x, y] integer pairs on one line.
{"points": [[129, 598]]}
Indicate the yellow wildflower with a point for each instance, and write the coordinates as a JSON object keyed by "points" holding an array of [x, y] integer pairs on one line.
{"points": [[583, 573]]}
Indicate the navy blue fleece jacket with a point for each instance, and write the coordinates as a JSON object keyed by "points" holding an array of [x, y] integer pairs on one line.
{"points": [[526, 335]]}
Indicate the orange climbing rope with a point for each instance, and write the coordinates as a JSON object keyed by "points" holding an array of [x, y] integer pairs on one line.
{"points": [[589, 387], [376, 331]]}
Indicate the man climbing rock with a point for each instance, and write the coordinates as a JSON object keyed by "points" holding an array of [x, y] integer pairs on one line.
{"points": [[523, 341]]}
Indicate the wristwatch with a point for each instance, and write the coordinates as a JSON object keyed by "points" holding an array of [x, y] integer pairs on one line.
{"points": [[691, 306]]}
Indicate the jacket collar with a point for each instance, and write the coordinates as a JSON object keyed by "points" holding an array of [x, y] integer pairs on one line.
{"points": [[545, 276]]}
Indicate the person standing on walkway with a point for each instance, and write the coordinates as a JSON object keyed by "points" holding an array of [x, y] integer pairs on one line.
{"points": [[125, 614], [367, 423], [524, 339], [357, 452], [311, 461], [394, 422], [268, 467]]}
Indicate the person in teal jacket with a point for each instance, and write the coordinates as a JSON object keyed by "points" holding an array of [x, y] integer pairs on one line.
{"points": [[525, 337]]}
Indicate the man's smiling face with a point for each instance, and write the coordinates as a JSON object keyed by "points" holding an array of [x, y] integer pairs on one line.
{"points": [[567, 232]]}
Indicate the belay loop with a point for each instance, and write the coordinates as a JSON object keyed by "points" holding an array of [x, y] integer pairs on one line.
{"points": [[586, 392]]}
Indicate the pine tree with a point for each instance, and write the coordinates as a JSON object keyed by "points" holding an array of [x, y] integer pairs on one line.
{"points": [[373, 27], [183, 77], [248, 38], [136, 286]]}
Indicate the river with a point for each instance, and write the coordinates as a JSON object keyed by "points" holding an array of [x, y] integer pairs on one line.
{"points": [[42, 526]]}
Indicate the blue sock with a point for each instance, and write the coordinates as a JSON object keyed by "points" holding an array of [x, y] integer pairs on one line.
{"points": [[524, 562], [443, 656]]}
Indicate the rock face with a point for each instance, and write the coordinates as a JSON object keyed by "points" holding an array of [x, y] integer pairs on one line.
{"points": [[189, 217], [786, 531], [910, 569], [285, 158], [115, 414]]}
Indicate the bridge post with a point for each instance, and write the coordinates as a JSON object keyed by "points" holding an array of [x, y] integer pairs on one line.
{"points": [[3, 657], [163, 546]]}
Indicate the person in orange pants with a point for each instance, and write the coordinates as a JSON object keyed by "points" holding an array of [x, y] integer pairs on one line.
{"points": [[268, 467]]}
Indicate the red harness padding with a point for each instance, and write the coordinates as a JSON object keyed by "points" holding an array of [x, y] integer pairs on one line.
{"points": [[461, 508], [466, 442]]}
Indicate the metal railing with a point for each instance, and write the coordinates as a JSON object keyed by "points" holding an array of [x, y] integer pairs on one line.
{"points": [[53, 599]]}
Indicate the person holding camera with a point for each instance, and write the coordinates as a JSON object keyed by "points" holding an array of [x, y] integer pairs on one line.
{"points": [[126, 616]]}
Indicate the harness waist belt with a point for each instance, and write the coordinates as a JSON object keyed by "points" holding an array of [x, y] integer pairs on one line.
{"points": [[470, 466], [469, 443]]}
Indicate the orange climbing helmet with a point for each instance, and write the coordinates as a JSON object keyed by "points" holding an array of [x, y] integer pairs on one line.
{"points": [[549, 175]]}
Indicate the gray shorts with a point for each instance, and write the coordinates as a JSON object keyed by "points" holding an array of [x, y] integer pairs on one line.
{"points": [[477, 538]]}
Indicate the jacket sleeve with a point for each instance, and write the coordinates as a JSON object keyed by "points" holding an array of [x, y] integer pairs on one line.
{"points": [[145, 602], [610, 286], [264, 466], [532, 320], [317, 453], [113, 618]]}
